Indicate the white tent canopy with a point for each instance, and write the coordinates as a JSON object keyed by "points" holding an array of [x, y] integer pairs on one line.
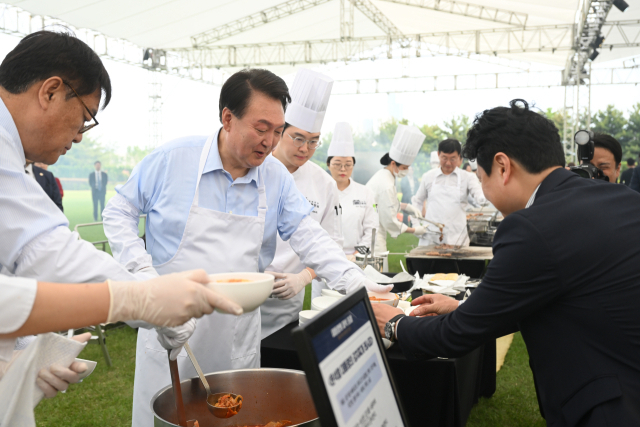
{"points": [[170, 25]]}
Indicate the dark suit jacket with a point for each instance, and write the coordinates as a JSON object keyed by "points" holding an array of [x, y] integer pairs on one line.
{"points": [[625, 177], [635, 179], [566, 273], [92, 181], [48, 183]]}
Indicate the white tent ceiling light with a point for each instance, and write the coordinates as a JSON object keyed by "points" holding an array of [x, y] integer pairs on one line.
{"points": [[299, 32]]}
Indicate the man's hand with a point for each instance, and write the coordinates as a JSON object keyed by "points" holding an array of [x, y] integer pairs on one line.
{"points": [[57, 378], [433, 305], [384, 313]]}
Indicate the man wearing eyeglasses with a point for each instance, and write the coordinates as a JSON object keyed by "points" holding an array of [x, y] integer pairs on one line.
{"points": [[300, 139], [218, 203], [51, 85]]}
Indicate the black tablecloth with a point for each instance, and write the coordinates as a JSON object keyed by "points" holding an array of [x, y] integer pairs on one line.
{"points": [[437, 392]]}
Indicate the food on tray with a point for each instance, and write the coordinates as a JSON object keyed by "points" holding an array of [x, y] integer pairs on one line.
{"points": [[433, 253], [236, 280], [445, 246], [473, 215], [196, 423], [378, 299], [443, 276], [226, 401]]}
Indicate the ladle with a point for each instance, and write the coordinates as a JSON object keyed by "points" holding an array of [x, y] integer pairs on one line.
{"points": [[212, 399]]}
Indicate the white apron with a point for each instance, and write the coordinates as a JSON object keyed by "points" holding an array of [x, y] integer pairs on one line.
{"points": [[444, 207], [218, 242]]}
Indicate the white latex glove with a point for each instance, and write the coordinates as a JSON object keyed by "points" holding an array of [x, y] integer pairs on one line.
{"points": [[168, 300], [146, 273], [419, 230], [413, 210], [375, 287], [174, 338], [351, 257], [288, 285], [57, 378]]}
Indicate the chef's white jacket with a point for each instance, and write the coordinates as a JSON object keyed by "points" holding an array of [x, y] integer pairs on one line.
{"points": [[321, 191], [17, 296], [36, 240], [469, 186], [383, 186], [359, 216]]}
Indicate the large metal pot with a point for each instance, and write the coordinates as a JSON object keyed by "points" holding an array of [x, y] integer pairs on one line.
{"points": [[269, 395]]}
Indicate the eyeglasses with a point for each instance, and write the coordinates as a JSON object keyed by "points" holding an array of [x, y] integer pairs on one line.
{"points": [[86, 127], [299, 142], [339, 166]]}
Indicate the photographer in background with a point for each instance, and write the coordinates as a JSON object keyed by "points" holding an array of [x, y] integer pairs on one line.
{"points": [[607, 155], [625, 177], [565, 273]]}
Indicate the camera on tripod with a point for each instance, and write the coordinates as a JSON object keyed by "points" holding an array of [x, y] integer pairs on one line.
{"points": [[586, 147]]}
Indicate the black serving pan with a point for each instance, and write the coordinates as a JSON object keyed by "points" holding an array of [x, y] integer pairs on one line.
{"points": [[399, 287]]}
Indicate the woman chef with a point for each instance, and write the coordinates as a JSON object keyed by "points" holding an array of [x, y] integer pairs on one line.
{"points": [[218, 203], [359, 216], [404, 149], [300, 139]]}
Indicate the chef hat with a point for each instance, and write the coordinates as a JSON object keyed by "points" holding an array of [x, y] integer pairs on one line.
{"points": [[406, 144], [435, 160], [309, 98], [342, 141]]}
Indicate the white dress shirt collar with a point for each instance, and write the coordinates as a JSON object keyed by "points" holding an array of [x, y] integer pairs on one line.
{"points": [[455, 171], [533, 197], [214, 162]]}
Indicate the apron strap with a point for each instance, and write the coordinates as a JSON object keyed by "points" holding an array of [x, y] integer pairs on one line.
{"points": [[203, 160]]}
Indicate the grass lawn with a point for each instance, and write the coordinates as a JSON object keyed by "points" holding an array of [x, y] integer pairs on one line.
{"points": [[105, 398]]}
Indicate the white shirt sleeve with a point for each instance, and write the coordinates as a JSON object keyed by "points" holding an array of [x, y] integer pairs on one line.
{"points": [[388, 206], [60, 257], [17, 296], [475, 190], [317, 250], [421, 195], [121, 220], [370, 220]]}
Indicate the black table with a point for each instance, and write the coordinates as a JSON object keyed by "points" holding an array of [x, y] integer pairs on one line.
{"points": [[437, 392]]}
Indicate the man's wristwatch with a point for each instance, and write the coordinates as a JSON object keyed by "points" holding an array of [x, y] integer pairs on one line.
{"points": [[390, 328]]}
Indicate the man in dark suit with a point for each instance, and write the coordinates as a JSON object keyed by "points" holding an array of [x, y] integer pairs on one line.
{"points": [[98, 183], [565, 272], [47, 181], [625, 177]]}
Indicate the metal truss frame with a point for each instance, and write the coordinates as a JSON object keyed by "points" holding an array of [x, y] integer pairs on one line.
{"points": [[471, 10], [506, 80], [547, 38], [347, 31], [254, 20], [370, 10]]}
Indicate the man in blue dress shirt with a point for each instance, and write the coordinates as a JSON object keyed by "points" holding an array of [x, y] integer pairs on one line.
{"points": [[218, 203]]}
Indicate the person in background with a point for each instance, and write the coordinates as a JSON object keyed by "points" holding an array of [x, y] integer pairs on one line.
{"points": [[446, 190], [404, 149], [359, 216], [467, 167], [634, 183], [46, 167], [625, 177], [408, 188], [300, 138], [98, 183], [607, 155], [47, 181]]}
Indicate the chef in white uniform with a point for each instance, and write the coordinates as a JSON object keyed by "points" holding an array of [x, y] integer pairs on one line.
{"points": [[404, 149], [301, 137], [446, 191], [218, 203], [359, 216]]}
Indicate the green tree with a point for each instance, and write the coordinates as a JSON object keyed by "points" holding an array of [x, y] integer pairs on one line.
{"points": [[456, 128], [632, 140]]}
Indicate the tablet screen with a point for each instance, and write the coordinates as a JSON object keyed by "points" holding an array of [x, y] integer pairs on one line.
{"points": [[354, 373]]}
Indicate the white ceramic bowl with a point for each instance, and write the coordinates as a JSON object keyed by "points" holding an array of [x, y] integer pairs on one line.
{"points": [[388, 298], [306, 315], [322, 303], [249, 295]]}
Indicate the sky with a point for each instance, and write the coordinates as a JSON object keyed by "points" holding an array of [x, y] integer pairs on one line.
{"points": [[191, 108]]}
